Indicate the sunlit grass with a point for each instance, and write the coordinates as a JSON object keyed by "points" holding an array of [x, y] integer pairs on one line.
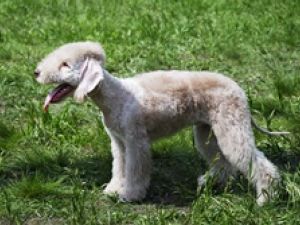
{"points": [[53, 165]]}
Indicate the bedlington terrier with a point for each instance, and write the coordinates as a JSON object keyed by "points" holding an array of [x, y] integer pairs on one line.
{"points": [[152, 105]]}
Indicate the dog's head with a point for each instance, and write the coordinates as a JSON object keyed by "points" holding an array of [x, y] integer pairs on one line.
{"points": [[76, 67]]}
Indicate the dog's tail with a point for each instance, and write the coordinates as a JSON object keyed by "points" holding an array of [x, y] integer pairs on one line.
{"points": [[266, 131]]}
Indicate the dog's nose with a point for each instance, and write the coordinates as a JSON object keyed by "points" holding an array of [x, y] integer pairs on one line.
{"points": [[36, 73]]}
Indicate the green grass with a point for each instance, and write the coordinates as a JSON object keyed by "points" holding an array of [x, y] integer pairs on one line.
{"points": [[53, 166]]}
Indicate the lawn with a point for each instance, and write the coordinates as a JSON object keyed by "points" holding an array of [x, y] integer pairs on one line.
{"points": [[53, 166]]}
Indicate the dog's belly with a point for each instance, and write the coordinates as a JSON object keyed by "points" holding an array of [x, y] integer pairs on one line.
{"points": [[165, 115], [163, 130], [166, 125]]}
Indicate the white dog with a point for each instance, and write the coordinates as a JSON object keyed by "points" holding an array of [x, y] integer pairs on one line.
{"points": [[148, 106]]}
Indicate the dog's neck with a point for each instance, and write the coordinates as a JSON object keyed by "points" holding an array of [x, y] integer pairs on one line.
{"points": [[108, 94]]}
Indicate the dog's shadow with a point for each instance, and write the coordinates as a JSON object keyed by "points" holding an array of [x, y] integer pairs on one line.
{"points": [[173, 179], [175, 169], [174, 176], [176, 166]]}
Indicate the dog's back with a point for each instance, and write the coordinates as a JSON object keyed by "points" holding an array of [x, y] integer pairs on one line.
{"points": [[174, 81]]}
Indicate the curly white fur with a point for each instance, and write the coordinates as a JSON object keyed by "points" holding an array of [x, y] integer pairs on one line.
{"points": [[148, 106]]}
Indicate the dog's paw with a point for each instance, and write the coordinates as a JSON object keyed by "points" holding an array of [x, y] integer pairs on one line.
{"points": [[113, 187], [262, 199], [217, 178]]}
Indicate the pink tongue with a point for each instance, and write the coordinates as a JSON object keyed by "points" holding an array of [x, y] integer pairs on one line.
{"points": [[57, 94], [47, 102]]}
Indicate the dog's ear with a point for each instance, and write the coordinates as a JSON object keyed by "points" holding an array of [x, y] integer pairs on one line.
{"points": [[91, 74]]}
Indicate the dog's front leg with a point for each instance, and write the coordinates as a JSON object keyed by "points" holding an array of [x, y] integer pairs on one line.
{"points": [[118, 169], [137, 168]]}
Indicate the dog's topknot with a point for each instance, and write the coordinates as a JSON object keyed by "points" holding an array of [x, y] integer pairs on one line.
{"points": [[74, 52], [78, 50]]}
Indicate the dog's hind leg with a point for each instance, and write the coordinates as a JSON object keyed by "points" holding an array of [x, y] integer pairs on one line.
{"points": [[232, 128], [206, 143]]}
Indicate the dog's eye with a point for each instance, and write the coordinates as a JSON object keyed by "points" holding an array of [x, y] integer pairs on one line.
{"points": [[64, 64]]}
